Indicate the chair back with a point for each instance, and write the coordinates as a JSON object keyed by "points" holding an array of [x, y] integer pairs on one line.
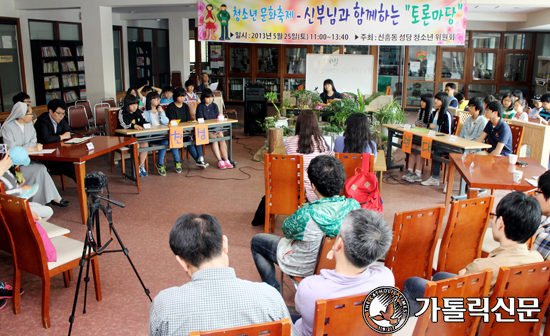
{"points": [[523, 281], [78, 118], [517, 138], [275, 328], [415, 235], [29, 251], [110, 101], [284, 184], [176, 79], [341, 316], [193, 109], [475, 285], [463, 237], [113, 123], [5, 237], [87, 106], [100, 110], [354, 160], [322, 261], [456, 124]]}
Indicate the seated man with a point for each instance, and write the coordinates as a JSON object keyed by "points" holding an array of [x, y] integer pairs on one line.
{"points": [[496, 132], [52, 127], [516, 220], [296, 253], [215, 298], [364, 237], [542, 241]]}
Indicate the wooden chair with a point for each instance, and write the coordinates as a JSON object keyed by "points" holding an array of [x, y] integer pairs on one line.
{"points": [[475, 285], [524, 281], [123, 150], [517, 138], [456, 124], [341, 316], [79, 122], [463, 237], [354, 160], [415, 235], [275, 328], [100, 120], [284, 186], [29, 255]]}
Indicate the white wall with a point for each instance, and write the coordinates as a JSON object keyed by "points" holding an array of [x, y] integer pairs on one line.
{"points": [[8, 8]]}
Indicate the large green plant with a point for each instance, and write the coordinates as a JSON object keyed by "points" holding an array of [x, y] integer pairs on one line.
{"points": [[391, 113], [272, 96], [307, 98]]}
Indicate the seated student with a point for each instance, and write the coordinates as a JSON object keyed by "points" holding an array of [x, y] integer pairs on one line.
{"points": [[450, 88], [18, 130], [154, 114], [137, 94], [542, 240], [519, 106], [357, 136], [296, 253], [215, 298], [53, 127], [179, 110], [516, 95], [131, 117], [516, 220], [364, 237], [167, 95], [544, 112], [24, 98], [475, 123], [191, 96], [18, 156], [537, 106], [414, 173], [508, 104], [462, 103], [441, 121], [329, 92], [208, 110], [496, 132], [488, 99], [205, 82], [145, 90]]}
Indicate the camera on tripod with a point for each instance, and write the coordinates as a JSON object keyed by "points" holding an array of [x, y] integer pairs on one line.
{"points": [[95, 181]]}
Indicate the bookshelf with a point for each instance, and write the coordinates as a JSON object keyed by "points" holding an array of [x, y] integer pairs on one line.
{"points": [[59, 70], [140, 59]]}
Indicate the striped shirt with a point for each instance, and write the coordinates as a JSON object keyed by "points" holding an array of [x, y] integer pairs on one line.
{"points": [[291, 147], [542, 241]]}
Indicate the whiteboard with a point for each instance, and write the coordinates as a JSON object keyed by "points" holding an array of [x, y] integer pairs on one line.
{"points": [[348, 72]]}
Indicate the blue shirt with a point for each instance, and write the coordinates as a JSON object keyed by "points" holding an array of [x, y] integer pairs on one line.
{"points": [[339, 146], [500, 133], [166, 101], [453, 102], [544, 114]]}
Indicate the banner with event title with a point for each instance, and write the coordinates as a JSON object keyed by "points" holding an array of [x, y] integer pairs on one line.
{"points": [[396, 22]]}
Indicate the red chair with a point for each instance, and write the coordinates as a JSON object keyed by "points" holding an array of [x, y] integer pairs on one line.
{"points": [[100, 119], [87, 106], [111, 101], [79, 121]]}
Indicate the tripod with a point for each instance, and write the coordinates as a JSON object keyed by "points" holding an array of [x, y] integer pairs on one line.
{"points": [[91, 244]]}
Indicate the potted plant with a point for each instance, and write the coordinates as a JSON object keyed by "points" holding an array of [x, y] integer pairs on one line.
{"points": [[391, 113], [279, 120]]}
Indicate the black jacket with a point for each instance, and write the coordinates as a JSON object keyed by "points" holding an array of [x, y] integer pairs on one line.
{"points": [[45, 132], [173, 112], [128, 120]]}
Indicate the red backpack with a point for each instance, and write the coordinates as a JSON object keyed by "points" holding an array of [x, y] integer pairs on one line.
{"points": [[363, 187]]}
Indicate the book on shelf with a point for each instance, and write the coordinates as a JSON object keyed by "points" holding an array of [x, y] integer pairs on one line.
{"points": [[80, 51], [70, 96], [70, 80], [83, 95], [68, 66], [51, 82], [48, 52], [66, 51], [139, 50], [81, 79], [141, 61], [80, 65], [51, 67], [148, 61], [52, 95]]}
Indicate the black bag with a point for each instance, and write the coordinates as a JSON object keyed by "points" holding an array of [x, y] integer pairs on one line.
{"points": [[259, 216]]}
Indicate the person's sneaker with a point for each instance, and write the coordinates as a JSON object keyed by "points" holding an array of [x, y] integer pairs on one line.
{"points": [[430, 182], [161, 170], [201, 164], [228, 164], [178, 167], [415, 178], [408, 175], [6, 291], [3, 303], [142, 171], [221, 164]]}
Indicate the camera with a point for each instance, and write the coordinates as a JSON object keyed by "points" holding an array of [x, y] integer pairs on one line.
{"points": [[95, 181]]}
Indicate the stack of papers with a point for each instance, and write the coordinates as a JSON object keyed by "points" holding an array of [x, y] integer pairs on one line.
{"points": [[44, 151], [77, 140]]}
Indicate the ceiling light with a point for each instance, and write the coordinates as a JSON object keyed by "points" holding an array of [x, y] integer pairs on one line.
{"points": [[132, 12], [158, 19]]}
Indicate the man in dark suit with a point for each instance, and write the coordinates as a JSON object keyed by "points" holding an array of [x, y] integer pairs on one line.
{"points": [[204, 82], [52, 127]]}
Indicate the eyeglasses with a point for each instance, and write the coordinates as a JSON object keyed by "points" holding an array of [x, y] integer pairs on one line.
{"points": [[60, 113], [538, 192], [492, 215]]}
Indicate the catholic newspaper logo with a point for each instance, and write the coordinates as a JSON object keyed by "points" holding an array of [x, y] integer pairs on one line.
{"points": [[386, 310]]}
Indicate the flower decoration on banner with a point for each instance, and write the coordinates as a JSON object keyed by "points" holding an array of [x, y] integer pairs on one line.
{"points": [[204, 10]]}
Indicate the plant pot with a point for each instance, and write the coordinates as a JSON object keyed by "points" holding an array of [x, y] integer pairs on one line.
{"points": [[384, 130], [283, 121]]}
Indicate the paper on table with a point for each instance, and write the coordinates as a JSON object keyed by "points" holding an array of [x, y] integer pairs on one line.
{"points": [[44, 151], [534, 183], [77, 140]]}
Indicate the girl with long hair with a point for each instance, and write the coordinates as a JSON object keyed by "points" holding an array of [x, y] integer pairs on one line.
{"points": [[309, 143], [357, 136], [329, 92], [131, 117], [508, 103]]}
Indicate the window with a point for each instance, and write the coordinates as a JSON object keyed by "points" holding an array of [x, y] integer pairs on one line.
{"points": [[485, 40], [422, 62], [452, 65], [515, 67], [518, 41], [484, 66], [69, 32], [41, 30], [296, 61]]}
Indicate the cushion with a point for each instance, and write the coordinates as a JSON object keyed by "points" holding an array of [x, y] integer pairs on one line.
{"points": [[51, 253], [68, 249], [53, 230]]}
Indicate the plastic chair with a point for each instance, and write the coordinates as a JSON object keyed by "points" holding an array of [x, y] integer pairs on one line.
{"points": [[524, 281], [111, 101], [415, 235], [113, 123], [275, 328], [463, 237], [86, 104], [354, 160], [341, 316], [100, 111], [79, 122], [475, 285], [29, 255], [284, 186], [517, 138]]}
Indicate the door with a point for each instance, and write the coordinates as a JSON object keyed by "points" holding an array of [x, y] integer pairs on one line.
{"points": [[10, 68]]}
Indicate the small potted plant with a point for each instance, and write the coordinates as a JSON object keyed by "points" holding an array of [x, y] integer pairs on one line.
{"points": [[391, 113], [279, 120]]}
